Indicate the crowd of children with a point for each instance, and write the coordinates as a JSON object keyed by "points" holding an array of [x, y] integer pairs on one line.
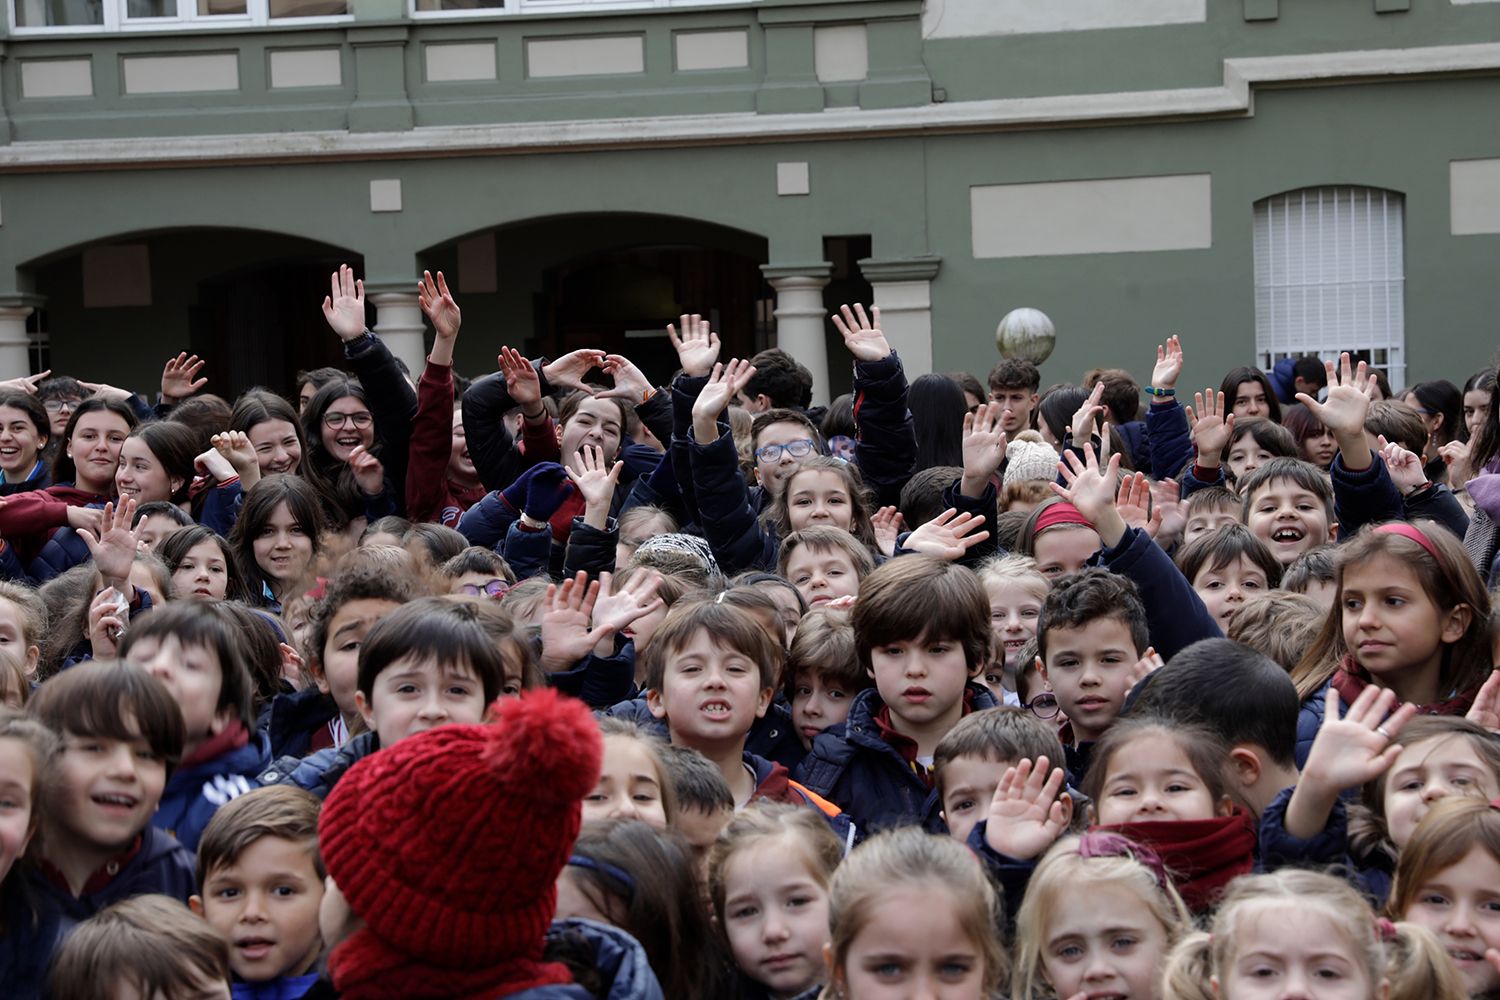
{"points": [[568, 683]]}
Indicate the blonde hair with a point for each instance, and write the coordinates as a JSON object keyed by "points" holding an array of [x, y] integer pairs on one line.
{"points": [[1445, 837], [1014, 569], [1087, 863], [911, 857], [820, 849], [1281, 624], [1406, 955]]}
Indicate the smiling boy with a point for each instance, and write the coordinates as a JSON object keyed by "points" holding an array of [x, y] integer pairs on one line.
{"points": [[1288, 504]]}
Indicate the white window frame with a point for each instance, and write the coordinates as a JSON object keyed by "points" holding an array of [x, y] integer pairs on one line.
{"points": [[1356, 237], [514, 8], [257, 15]]}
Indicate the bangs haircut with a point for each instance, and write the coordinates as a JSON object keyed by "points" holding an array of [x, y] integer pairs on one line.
{"points": [[1270, 436], [152, 943], [1015, 373], [824, 646], [1004, 734], [1223, 546], [433, 628], [697, 782], [162, 508], [860, 525], [199, 623], [478, 559], [569, 408], [1089, 595], [1303, 475], [1445, 837], [1238, 377], [1313, 566], [34, 410], [1214, 500], [727, 626], [825, 538], [509, 636], [919, 596], [96, 698], [1399, 422], [260, 503], [782, 415], [174, 548], [283, 811], [1205, 750]]}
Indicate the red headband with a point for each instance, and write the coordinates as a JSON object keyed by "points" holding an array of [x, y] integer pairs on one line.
{"points": [[1411, 531], [1061, 512]]}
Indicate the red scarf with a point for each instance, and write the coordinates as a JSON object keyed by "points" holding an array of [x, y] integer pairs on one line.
{"points": [[366, 968], [905, 745], [216, 746], [1201, 855], [1350, 679]]}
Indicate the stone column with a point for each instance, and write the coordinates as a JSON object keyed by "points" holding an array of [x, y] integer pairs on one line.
{"points": [[398, 322], [15, 345], [903, 293], [800, 316]]}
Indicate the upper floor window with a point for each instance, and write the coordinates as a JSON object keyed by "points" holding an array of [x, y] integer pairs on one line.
{"points": [[1330, 276], [472, 7], [123, 15]]}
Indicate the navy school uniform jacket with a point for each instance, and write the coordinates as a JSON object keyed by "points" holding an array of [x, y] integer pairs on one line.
{"points": [[600, 681], [30, 930], [319, 772], [618, 958], [161, 865], [292, 718], [1329, 847], [1175, 615], [194, 793], [854, 767]]}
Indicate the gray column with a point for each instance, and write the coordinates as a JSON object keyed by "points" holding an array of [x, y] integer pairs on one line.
{"points": [[903, 292], [15, 345], [398, 322], [800, 316]]}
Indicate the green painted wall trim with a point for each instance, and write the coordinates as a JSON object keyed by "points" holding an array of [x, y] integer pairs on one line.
{"points": [[877, 271], [820, 269]]}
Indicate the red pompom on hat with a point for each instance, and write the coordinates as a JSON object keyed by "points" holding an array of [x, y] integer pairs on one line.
{"points": [[448, 845]]}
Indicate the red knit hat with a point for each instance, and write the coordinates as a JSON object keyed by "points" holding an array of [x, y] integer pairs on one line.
{"points": [[448, 845]]}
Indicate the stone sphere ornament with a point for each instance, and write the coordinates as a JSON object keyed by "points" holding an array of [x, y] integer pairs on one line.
{"points": [[1027, 334]]}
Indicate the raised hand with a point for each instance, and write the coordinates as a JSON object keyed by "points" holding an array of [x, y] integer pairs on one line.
{"points": [[1355, 749], [214, 464], [1455, 455], [861, 333], [179, 378], [437, 302], [1344, 409], [1026, 816], [565, 625], [1168, 364], [1148, 664], [1133, 501], [948, 536], [521, 382], [85, 519], [888, 524], [114, 547], [1085, 420], [108, 614], [106, 391], [984, 447], [615, 611], [236, 449], [1486, 708], [725, 382], [1212, 424], [369, 474], [1405, 467], [568, 371], [596, 480], [26, 383], [1092, 490], [631, 383], [344, 306], [697, 346], [1166, 497]]}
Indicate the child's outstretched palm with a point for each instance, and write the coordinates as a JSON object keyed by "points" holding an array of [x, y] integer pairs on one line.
{"points": [[1348, 400], [697, 346], [948, 536], [1212, 423], [861, 333], [1092, 490], [1358, 748], [1026, 816]]}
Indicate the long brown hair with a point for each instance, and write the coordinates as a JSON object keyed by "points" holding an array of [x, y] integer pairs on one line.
{"points": [[778, 515], [1448, 579]]}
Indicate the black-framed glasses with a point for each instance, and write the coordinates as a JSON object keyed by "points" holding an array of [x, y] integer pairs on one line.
{"points": [[360, 420], [1043, 706], [59, 405], [495, 588], [797, 449]]}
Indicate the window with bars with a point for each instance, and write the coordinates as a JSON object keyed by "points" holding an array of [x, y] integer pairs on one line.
{"points": [[1330, 276]]}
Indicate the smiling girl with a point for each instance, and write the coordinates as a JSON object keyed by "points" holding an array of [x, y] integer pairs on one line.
{"points": [[24, 431], [276, 537]]}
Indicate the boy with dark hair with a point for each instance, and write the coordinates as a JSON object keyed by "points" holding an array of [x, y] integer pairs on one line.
{"points": [[1227, 568], [973, 757], [149, 947], [122, 735], [1013, 384], [1313, 575], [922, 631], [924, 495], [1090, 636], [1288, 504], [823, 673], [1243, 696], [1122, 400], [705, 805], [260, 884], [711, 671], [780, 382], [429, 663], [1208, 509]]}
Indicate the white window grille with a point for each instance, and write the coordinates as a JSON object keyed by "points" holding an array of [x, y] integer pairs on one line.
{"points": [[107, 16], [1330, 276]]}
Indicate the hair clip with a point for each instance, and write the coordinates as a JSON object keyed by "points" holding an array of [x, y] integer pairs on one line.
{"points": [[615, 872], [1385, 929], [1112, 845]]}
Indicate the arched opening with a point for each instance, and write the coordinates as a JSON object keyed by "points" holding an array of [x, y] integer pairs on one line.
{"points": [[247, 301], [611, 281]]}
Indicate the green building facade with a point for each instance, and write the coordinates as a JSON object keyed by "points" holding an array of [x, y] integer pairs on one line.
{"points": [[1262, 177]]}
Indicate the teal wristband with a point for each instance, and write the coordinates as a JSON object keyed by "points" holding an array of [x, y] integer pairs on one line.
{"points": [[1152, 390]]}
